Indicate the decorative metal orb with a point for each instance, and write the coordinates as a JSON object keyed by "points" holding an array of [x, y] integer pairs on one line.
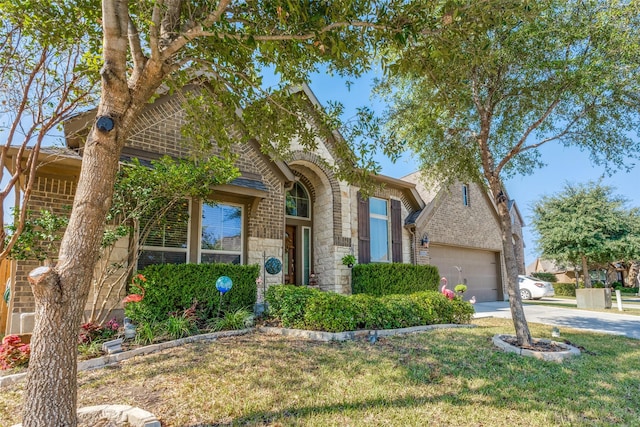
{"points": [[273, 266], [223, 284]]}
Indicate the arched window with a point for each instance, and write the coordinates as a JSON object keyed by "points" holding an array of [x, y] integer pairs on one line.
{"points": [[298, 202]]}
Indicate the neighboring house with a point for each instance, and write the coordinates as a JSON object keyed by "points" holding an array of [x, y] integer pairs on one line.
{"points": [[296, 211], [563, 274]]}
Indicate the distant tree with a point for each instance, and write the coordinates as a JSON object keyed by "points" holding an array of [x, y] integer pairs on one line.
{"points": [[586, 225], [476, 101]]}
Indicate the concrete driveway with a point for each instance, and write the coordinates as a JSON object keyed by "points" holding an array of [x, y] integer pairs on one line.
{"points": [[609, 322]]}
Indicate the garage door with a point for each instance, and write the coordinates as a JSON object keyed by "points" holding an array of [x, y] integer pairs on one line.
{"points": [[479, 272]]}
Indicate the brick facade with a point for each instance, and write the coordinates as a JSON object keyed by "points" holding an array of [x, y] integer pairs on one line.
{"points": [[334, 208]]}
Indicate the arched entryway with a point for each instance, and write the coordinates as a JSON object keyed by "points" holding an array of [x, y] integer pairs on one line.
{"points": [[298, 255]]}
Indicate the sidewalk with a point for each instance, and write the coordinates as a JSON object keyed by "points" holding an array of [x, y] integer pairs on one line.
{"points": [[609, 322]]}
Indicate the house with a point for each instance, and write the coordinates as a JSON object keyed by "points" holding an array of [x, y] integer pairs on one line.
{"points": [[461, 227], [563, 274], [296, 211]]}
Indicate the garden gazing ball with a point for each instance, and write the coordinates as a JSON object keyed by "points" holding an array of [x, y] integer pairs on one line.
{"points": [[223, 284]]}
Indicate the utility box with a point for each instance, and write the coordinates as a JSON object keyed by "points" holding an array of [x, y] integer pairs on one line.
{"points": [[594, 298]]}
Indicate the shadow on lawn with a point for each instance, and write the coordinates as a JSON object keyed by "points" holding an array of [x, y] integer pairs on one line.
{"points": [[483, 375]]}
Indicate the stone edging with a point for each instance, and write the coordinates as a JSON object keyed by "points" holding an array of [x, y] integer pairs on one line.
{"points": [[352, 335], [122, 415], [551, 356]]}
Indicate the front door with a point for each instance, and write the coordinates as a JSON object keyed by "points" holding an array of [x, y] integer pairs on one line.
{"points": [[290, 255]]}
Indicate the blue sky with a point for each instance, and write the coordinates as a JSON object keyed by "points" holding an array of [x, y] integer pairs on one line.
{"points": [[564, 165]]}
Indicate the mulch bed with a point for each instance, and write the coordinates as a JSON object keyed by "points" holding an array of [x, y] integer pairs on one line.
{"points": [[537, 345]]}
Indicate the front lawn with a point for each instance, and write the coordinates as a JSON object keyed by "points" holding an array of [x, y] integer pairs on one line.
{"points": [[447, 377]]}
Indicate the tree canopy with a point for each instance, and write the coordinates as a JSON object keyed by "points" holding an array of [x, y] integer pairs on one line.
{"points": [[586, 225], [475, 101]]}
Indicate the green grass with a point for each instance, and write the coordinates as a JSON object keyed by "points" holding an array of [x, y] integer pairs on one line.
{"points": [[449, 377]]}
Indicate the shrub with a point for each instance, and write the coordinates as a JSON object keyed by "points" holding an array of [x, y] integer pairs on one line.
{"points": [[402, 311], [547, 277], [305, 308], [565, 289], [331, 312], [179, 326], [146, 333], [90, 349], [396, 278], [173, 288], [233, 320], [288, 303], [13, 352], [91, 331]]}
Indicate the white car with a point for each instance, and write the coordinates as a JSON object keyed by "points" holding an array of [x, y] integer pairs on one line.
{"points": [[532, 288]]}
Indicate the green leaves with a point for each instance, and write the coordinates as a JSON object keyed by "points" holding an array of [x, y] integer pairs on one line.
{"points": [[586, 220], [500, 79]]}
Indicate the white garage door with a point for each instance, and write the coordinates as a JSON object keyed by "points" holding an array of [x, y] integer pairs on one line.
{"points": [[479, 272]]}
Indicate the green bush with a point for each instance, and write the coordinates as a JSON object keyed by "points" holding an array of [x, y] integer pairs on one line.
{"points": [[288, 303], [331, 312], [396, 278], [547, 277], [565, 289], [306, 308], [173, 288]]}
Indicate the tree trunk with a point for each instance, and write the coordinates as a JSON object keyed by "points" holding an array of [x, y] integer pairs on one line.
{"points": [[61, 292], [585, 273], [513, 289]]}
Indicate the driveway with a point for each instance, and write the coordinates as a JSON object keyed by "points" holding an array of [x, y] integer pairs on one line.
{"points": [[609, 322]]}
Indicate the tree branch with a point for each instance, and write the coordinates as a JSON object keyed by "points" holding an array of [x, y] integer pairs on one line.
{"points": [[139, 60], [533, 126], [196, 31]]}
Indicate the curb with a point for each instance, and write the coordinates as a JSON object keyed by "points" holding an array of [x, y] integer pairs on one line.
{"points": [[352, 335]]}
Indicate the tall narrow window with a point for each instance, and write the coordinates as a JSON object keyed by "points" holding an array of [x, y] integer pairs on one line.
{"points": [[379, 229], [465, 194], [298, 202], [165, 240], [221, 236], [306, 254]]}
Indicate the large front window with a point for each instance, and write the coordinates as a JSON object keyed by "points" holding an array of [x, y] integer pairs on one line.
{"points": [[379, 228], [165, 240], [221, 236]]}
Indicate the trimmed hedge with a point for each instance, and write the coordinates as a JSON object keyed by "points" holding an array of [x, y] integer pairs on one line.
{"points": [[396, 278], [173, 288], [305, 308], [565, 289]]}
